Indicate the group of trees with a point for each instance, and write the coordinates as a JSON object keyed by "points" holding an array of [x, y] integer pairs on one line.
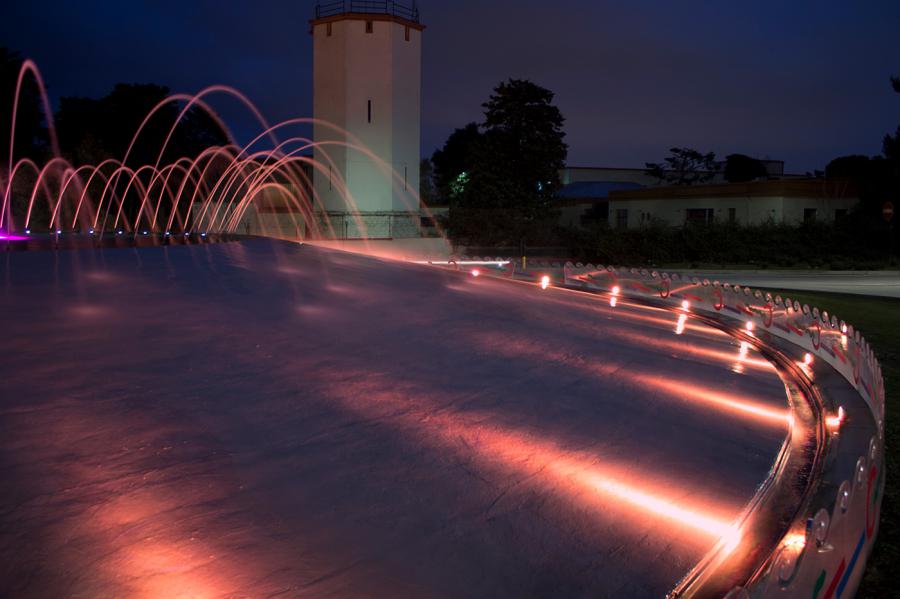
{"points": [[686, 166], [91, 130], [500, 177]]}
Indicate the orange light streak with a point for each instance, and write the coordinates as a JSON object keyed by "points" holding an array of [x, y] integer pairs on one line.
{"points": [[519, 347], [722, 400]]}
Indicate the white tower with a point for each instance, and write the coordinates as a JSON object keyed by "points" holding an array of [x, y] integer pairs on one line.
{"points": [[367, 63]]}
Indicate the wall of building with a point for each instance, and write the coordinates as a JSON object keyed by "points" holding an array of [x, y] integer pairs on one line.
{"points": [[353, 68], [747, 210]]}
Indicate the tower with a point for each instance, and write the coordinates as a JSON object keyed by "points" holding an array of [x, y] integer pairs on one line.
{"points": [[367, 60]]}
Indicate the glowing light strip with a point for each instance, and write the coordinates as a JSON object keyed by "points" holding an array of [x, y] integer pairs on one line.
{"points": [[692, 392], [463, 262], [664, 508]]}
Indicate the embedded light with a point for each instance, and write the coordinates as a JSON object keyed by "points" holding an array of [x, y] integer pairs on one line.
{"points": [[731, 539], [679, 328], [750, 326], [796, 541], [834, 422], [545, 282], [615, 290], [685, 305], [167, 233], [28, 231], [186, 233], [118, 232], [59, 231], [807, 359], [144, 232], [475, 272], [202, 234], [91, 231], [613, 301]]}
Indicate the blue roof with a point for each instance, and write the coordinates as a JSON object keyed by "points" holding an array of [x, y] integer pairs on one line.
{"points": [[594, 190]]}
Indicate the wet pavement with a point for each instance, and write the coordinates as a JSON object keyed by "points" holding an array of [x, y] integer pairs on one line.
{"points": [[270, 419]]}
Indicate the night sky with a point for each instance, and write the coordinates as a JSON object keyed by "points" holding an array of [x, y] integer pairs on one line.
{"points": [[799, 81]]}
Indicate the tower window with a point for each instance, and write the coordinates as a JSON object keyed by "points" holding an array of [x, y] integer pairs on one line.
{"points": [[369, 27], [406, 34], [328, 29], [370, 111], [405, 178]]}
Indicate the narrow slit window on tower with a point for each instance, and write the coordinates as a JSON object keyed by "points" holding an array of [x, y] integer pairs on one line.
{"points": [[329, 177], [369, 117], [369, 27], [406, 35], [405, 178], [328, 29]]}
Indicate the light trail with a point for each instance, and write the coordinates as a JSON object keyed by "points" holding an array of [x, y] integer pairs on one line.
{"points": [[519, 347], [723, 400]]}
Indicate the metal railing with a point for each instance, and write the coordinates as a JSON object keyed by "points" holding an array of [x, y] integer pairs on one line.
{"points": [[410, 12]]}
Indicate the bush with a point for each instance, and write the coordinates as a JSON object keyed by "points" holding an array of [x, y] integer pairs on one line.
{"points": [[813, 245]]}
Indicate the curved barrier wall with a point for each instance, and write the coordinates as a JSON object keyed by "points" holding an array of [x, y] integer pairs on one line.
{"points": [[820, 547]]}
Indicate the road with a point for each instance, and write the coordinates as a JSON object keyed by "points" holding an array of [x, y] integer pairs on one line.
{"points": [[264, 418], [876, 283]]}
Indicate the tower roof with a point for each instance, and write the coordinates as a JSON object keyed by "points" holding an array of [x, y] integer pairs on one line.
{"points": [[403, 12]]}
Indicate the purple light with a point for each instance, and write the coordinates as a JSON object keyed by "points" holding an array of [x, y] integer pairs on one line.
{"points": [[9, 237]]}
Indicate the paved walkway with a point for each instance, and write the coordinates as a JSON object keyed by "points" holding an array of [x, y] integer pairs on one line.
{"points": [[881, 283]]}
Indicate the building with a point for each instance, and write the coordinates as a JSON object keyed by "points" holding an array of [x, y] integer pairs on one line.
{"points": [[639, 176], [781, 201], [630, 197], [586, 203], [366, 98]]}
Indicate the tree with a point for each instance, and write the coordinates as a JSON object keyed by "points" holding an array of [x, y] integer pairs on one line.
{"points": [[891, 144], [427, 191], [514, 175], [740, 168], [684, 166], [91, 130], [31, 131], [453, 162]]}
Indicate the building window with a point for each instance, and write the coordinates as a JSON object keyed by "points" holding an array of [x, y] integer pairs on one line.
{"points": [[699, 216], [328, 29], [621, 218], [369, 27], [732, 215], [809, 215], [369, 111], [406, 34]]}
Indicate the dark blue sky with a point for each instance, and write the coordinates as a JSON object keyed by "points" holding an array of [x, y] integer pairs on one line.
{"points": [[800, 81]]}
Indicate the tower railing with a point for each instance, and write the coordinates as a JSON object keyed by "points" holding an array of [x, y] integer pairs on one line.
{"points": [[410, 12]]}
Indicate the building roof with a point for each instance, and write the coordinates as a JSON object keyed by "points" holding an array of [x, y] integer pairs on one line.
{"points": [[787, 188], [594, 190], [369, 10]]}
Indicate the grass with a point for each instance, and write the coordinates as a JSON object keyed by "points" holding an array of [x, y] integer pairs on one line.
{"points": [[878, 319]]}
